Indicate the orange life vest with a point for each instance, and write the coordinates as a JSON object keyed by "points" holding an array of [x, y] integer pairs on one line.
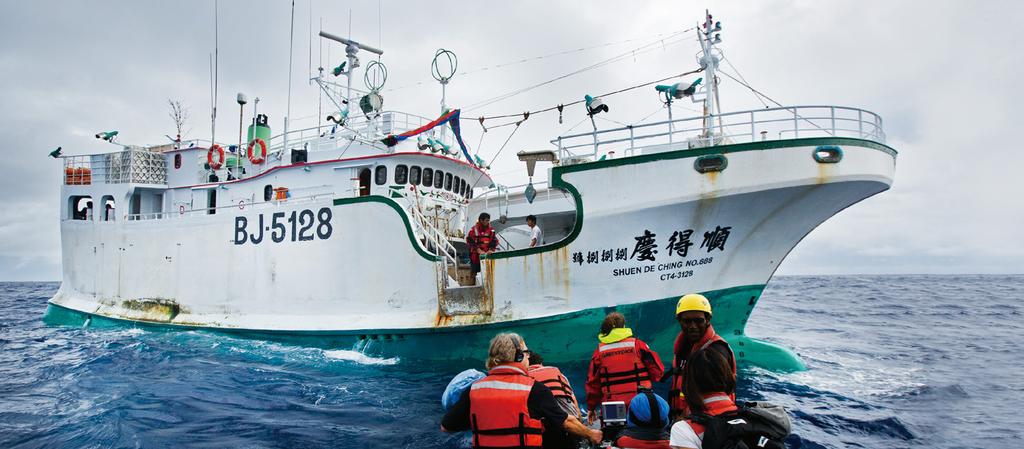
{"points": [[622, 373], [552, 378], [498, 410], [676, 398]]}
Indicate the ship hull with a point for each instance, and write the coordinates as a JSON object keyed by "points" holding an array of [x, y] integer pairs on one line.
{"points": [[647, 229]]}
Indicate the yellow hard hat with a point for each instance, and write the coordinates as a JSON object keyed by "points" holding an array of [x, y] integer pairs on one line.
{"points": [[693, 301]]}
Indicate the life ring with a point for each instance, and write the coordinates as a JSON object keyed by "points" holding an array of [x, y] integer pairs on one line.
{"points": [[263, 151], [220, 157]]}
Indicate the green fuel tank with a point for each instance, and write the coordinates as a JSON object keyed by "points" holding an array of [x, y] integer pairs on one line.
{"points": [[259, 129]]}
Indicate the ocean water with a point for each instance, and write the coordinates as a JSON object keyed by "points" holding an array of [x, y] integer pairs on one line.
{"points": [[895, 361]]}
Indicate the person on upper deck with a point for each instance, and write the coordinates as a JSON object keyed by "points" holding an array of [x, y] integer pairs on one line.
{"points": [[481, 240], [693, 312], [621, 365], [536, 236]]}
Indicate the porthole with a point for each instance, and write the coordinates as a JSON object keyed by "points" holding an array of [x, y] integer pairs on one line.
{"points": [[177, 161], [710, 163], [828, 154]]}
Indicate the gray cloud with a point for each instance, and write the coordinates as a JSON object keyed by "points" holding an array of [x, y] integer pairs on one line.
{"points": [[944, 75]]}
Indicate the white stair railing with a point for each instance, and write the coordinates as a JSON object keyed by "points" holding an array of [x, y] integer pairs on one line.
{"points": [[435, 240]]}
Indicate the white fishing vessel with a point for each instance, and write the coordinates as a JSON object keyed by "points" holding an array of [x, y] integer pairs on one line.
{"points": [[351, 234]]}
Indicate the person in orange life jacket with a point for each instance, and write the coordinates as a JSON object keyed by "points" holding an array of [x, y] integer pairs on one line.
{"points": [[508, 408], [646, 423], [482, 240], [621, 365], [552, 378], [693, 312], [710, 390]]}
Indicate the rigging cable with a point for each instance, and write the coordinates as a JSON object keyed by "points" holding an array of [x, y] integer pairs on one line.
{"points": [[756, 93], [538, 58], [626, 55], [562, 105]]}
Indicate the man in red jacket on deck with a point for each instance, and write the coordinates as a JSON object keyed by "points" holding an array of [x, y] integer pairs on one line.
{"points": [[481, 239], [621, 365]]}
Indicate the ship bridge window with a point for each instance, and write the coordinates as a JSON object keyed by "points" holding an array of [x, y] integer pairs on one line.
{"points": [[469, 194], [462, 187], [414, 175], [457, 185], [439, 179], [448, 182], [428, 176], [380, 176], [401, 174], [80, 207], [109, 209]]}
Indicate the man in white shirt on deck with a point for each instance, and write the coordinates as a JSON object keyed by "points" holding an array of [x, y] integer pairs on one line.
{"points": [[536, 236]]}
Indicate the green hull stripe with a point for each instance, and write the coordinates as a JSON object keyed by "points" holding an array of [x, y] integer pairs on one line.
{"points": [[558, 182], [569, 337], [401, 213]]}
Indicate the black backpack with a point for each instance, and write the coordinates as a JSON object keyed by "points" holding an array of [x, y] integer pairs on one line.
{"points": [[755, 425]]}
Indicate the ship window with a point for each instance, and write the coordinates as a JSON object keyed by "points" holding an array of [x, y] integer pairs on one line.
{"points": [[80, 207], [268, 192], [380, 176], [448, 182], [401, 174], [457, 185], [414, 175], [428, 176], [438, 179], [109, 210], [177, 161], [469, 194], [212, 207], [462, 187]]}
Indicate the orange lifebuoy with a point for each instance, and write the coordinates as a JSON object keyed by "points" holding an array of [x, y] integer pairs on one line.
{"points": [[220, 157], [263, 151]]}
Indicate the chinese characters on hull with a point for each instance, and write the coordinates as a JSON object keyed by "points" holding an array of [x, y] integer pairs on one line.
{"points": [[646, 247]]}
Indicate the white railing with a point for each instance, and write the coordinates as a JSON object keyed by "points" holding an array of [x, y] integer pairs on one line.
{"points": [[501, 197], [183, 213], [359, 128], [733, 127], [132, 165], [435, 240]]}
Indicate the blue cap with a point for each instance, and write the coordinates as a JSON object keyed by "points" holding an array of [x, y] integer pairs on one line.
{"points": [[640, 411]]}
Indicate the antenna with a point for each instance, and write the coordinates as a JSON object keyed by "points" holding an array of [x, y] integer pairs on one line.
{"points": [[288, 110], [709, 58], [351, 48], [213, 75]]}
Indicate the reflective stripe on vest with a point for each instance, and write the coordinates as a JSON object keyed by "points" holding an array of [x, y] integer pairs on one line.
{"points": [[622, 372], [499, 413], [555, 381], [676, 398]]}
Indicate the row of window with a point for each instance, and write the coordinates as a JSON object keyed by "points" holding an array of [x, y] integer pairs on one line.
{"points": [[426, 177]]}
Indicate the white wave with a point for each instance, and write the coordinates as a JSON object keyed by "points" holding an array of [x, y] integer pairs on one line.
{"points": [[358, 357]]}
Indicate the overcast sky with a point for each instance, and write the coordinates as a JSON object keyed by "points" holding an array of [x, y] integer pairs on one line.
{"points": [[944, 76]]}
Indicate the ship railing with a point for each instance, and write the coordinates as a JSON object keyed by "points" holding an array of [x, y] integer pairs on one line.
{"points": [[734, 127], [435, 240], [132, 165], [503, 196], [356, 128], [184, 213]]}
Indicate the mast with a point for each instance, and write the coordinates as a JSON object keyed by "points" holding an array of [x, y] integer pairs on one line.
{"points": [[709, 59]]}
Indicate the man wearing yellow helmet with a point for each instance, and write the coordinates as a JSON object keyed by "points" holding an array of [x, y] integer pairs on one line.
{"points": [[693, 312]]}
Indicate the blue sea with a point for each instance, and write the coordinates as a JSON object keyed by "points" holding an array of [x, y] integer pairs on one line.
{"points": [[895, 361]]}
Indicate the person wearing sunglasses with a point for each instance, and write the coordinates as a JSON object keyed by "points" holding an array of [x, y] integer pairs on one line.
{"points": [[508, 408], [693, 312]]}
